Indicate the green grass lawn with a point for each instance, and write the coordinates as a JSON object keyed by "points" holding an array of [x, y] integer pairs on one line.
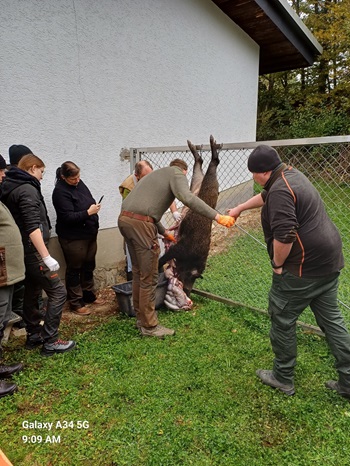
{"points": [[192, 399]]}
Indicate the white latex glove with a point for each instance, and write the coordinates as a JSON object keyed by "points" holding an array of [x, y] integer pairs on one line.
{"points": [[51, 263], [176, 216]]}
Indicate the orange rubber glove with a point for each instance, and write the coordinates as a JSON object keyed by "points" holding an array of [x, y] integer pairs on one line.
{"points": [[169, 237], [226, 220]]}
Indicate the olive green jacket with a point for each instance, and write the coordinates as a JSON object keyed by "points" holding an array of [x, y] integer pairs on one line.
{"points": [[154, 193], [11, 249]]}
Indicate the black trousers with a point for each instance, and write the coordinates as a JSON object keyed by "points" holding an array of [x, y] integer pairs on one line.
{"points": [[80, 256], [38, 277]]}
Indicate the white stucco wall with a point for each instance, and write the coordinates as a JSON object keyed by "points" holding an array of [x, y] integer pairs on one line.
{"points": [[82, 79]]}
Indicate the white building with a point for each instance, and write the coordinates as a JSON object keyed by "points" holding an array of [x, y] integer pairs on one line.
{"points": [[82, 80]]}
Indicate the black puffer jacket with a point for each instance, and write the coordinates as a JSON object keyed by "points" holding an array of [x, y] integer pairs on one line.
{"points": [[71, 204], [21, 193]]}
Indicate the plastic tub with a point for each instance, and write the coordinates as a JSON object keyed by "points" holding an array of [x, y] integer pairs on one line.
{"points": [[123, 293]]}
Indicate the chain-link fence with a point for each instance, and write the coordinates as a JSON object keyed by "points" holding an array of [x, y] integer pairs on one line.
{"points": [[238, 268]]}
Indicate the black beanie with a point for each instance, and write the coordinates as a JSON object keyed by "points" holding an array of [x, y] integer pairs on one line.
{"points": [[263, 159], [17, 152], [3, 163]]}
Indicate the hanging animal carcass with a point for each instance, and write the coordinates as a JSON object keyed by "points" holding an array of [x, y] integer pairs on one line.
{"points": [[191, 251]]}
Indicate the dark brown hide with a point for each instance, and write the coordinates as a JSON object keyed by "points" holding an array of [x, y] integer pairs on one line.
{"points": [[192, 248]]}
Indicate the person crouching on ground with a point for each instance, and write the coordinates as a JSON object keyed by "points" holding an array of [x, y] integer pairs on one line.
{"points": [[77, 228], [139, 223], [305, 249], [22, 195]]}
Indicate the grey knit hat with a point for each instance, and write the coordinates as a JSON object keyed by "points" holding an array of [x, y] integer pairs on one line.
{"points": [[263, 159]]}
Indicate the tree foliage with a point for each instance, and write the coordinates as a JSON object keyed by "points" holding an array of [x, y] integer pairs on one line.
{"points": [[312, 101]]}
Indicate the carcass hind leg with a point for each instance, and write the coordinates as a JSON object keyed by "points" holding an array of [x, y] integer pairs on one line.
{"points": [[215, 149], [198, 174]]}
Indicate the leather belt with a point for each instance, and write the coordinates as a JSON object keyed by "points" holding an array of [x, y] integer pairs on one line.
{"points": [[143, 218]]}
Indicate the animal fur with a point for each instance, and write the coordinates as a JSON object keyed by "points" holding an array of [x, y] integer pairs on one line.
{"points": [[193, 244]]}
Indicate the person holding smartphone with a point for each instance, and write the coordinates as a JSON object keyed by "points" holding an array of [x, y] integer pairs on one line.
{"points": [[77, 227]]}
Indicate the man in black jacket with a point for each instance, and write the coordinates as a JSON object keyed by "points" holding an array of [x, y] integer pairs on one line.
{"points": [[305, 249]]}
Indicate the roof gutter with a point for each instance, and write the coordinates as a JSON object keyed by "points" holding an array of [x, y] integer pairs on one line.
{"points": [[285, 18]]}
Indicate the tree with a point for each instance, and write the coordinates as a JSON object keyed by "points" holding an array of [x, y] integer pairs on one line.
{"points": [[313, 101]]}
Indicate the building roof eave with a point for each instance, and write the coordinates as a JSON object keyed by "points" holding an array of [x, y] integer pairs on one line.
{"points": [[284, 40]]}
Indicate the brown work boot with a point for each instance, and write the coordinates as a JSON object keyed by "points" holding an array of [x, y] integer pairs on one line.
{"points": [[99, 301], [158, 331], [81, 311], [342, 391]]}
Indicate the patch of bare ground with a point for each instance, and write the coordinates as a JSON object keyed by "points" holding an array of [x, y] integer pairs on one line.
{"points": [[222, 238], [100, 313]]}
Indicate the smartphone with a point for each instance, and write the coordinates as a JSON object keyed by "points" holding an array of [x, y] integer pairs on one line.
{"points": [[99, 202]]}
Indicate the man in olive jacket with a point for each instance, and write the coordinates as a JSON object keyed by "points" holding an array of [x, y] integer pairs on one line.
{"points": [[11, 272], [139, 223]]}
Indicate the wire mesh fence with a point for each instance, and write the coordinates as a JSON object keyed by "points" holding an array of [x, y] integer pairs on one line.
{"points": [[238, 267]]}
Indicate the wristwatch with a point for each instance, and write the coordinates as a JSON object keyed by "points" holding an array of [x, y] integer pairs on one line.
{"points": [[274, 266]]}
